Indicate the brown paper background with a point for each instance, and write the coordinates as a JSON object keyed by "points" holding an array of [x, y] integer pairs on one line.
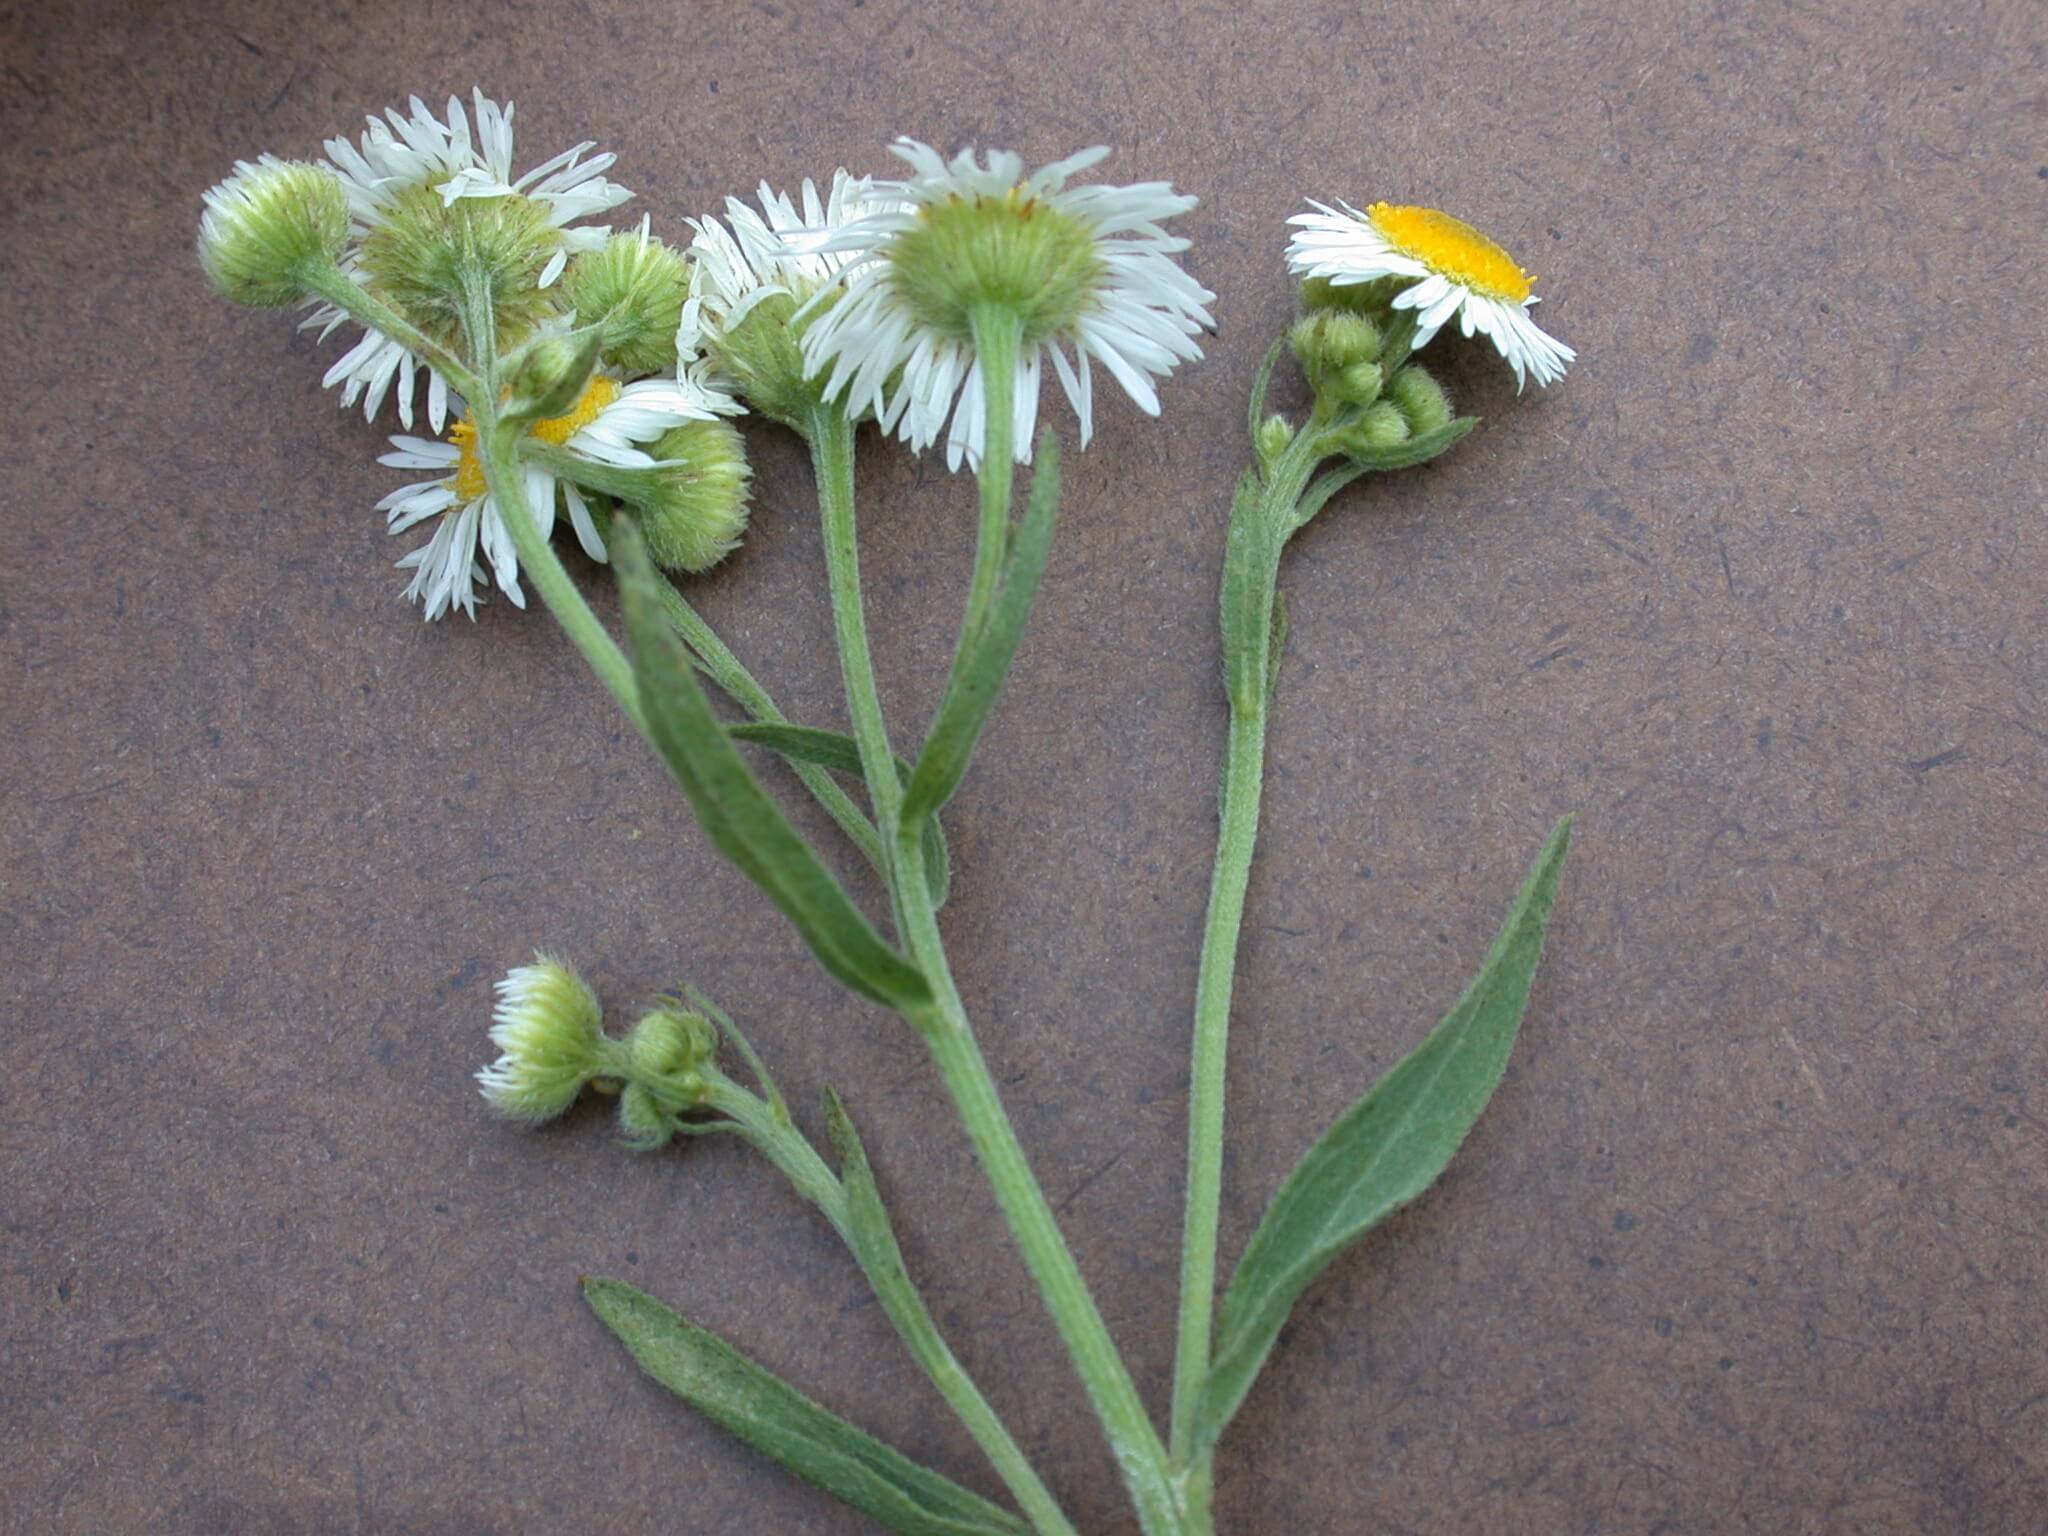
{"points": [[1752, 1238]]}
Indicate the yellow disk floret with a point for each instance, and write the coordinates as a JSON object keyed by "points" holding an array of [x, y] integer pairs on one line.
{"points": [[597, 394], [557, 430], [1451, 248]]}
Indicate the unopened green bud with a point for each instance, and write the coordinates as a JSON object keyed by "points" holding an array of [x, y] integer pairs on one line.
{"points": [[1357, 383], [426, 254], [698, 508], [1420, 400], [550, 374], [1336, 350], [644, 1121], [669, 1044], [1275, 433], [549, 1027], [1381, 426], [633, 286], [268, 227]]}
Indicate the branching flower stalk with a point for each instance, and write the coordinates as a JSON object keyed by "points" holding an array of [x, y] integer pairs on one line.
{"points": [[591, 374]]}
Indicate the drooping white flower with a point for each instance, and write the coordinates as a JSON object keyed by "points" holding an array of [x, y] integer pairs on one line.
{"points": [[784, 249], [471, 543], [1458, 271], [1087, 269], [752, 276], [400, 154], [549, 1029]]}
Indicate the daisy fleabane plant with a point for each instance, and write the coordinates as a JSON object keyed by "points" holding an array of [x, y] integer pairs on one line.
{"points": [[413, 168], [592, 376], [1086, 269], [1459, 273]]}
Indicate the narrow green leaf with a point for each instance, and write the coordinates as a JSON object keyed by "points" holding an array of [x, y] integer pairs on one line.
{"points": [[828, 749], [841, 753], [748, 827], [874, 1239], [1383, 1151], [787, 1427], [1255, 411], [981, 666]]}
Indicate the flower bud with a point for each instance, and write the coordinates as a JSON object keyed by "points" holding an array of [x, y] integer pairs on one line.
{"points": [[633, 286], [1420, 400], [548, 1025], [549, 377], [268, 227], [1357, 383], [1380, 427], [698, 508], [670, 1044], [1275, 433], [643, 1120], [1328, 341]]}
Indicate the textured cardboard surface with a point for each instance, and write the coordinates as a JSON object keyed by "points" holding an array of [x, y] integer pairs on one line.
{"points": [[1752, 1240]]}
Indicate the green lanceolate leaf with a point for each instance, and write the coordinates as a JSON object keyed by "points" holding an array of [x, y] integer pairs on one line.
{"points": [[874, 1240], [841, 753], [748, 827], [828, 749], [1383, 1151], [784, 1425], [982, 664]]}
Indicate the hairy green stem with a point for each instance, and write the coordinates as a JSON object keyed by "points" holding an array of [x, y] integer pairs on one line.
{"points": [[771, 1134], [364, 307], [998, 339], [498, 443], [741, 687], [538, 560], [713, 655], [775, 1138], [830, 435], [1260, 522], [1139, 1453]]}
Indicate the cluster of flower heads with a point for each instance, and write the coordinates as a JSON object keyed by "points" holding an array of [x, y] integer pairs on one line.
{"points": [[402, 157], [891, 299], [548, 1026], [408, 179]]}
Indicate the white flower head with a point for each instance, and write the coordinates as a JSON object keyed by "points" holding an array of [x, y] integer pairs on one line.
{"points": [[1085, 268], [1458, 271], [548, 1027], [752, 276], [398, 156], [471, 543], [783, 249]]}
